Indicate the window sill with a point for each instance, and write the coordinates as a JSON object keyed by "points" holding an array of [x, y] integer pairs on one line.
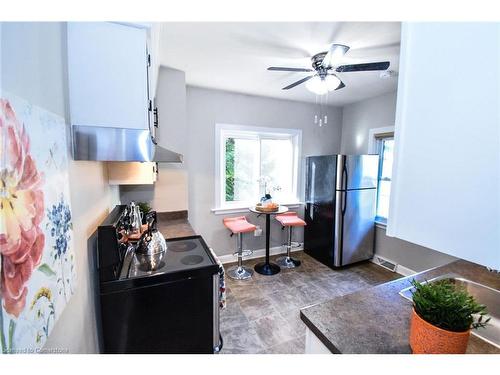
{"points": [[381, 222], [241, 209]]}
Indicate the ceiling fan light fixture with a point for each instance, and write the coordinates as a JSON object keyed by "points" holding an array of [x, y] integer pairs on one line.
{"points": [[321, 86], [334, 54]]}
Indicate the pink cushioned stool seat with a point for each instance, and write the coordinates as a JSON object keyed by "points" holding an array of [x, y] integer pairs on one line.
{"points": [[238, 224], [290, 219]]}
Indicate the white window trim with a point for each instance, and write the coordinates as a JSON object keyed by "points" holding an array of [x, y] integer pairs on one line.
{"points": [[373, 149], [372, 137], [220, 130]]}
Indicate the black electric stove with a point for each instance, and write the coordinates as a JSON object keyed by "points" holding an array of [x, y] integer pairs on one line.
{"points": [[173, 309]]}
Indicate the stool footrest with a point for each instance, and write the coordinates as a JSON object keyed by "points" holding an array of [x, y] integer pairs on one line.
{"points": [[293, 244], [244, 253]]}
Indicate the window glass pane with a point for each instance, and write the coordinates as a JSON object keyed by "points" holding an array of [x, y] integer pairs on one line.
{"points": [[387, 158], [384, 190], [229, 169], [242, 169], [385, 176], [277, 164]]}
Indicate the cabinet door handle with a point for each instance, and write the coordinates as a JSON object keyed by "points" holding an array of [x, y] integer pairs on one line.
{"points": [[155, 114]]}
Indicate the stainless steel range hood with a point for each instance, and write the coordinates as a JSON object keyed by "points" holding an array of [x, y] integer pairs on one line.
{"points": [[118, 144]]}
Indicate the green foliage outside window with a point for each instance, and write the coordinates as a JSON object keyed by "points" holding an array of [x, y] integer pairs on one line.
{"points": [[229, 169]]}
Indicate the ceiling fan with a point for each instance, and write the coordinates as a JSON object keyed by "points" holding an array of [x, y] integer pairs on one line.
{"points": [[323, 80]]}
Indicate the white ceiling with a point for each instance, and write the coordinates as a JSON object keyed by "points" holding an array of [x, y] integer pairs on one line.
{"points": [[235, 56]]}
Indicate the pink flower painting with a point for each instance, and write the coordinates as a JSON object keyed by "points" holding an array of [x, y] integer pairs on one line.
{"points": [[37, 262], [21, 211]]}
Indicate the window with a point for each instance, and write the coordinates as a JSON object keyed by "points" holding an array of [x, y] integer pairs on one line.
{"points": [[252, 161], [385, 145]]}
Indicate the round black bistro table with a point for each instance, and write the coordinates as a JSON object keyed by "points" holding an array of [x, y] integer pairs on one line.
{"points": [[268, 268]]}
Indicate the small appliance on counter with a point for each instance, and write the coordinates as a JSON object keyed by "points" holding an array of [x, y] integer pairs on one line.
{"points": [[154, 295]]}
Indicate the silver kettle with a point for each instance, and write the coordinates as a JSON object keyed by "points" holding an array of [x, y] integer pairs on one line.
{"points": [[151, 248]]}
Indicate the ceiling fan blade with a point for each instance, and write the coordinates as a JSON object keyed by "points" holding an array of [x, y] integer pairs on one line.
{"points": [[335, 52], [341, 86], [284, 69], [297, 83], [383, 65]]}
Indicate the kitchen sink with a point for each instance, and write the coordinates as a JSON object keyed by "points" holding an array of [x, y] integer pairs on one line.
{"points": [[482, 294]]}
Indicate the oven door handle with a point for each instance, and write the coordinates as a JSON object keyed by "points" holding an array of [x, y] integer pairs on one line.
{"points": [[217, 337]]}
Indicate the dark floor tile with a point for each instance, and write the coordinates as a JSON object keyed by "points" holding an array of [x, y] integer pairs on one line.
{"points": [[331, 287], [295, 346], [256, 307], [271, 287], [293, 319], [232, 315], [284, 299], [291, 279], [263, 313], [250, 290], [273, 330], [310, 294], [241, 339], [373, 274]]}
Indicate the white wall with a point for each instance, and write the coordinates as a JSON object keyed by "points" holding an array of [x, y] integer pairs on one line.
{"points": [[358, 118], [446, 194], [208, 107], [34, 68], [170, 192]]}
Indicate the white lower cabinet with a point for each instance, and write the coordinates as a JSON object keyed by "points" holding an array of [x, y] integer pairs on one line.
{"points": [[132, 173], [314, 345]]}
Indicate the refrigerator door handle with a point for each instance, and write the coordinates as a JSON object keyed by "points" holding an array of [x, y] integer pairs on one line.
{"points": [[344, 177], [343, 204], [344, 186]]}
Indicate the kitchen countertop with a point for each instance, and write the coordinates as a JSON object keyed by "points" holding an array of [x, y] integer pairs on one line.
{"points": [[377, 320], [174, 224]]}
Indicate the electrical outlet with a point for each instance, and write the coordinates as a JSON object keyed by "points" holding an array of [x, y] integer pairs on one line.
{"points": [[258, 231]]}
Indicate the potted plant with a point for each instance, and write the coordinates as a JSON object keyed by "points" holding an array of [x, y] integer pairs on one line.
{"points": [[442, 318]]}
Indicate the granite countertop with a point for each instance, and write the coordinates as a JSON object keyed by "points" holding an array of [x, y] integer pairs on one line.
{"points": [[377, 320], [174, 224]]}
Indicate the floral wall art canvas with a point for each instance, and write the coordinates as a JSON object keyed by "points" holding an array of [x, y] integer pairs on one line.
{"points": [[36, 241]]}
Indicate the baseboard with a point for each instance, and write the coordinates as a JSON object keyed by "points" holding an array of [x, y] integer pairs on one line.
{"points": [[230, 258], [402, 270], [405, 271]]}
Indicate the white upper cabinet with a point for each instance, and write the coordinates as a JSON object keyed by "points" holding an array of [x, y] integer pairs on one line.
{"points": [[445, 189], [108, 75], [154, 51]]}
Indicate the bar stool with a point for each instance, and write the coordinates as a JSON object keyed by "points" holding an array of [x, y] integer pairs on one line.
{"points": [[289, 220], [239, 225]]}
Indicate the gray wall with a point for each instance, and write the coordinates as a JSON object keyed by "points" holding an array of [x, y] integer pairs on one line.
{"points": [[357, 120], [208, 107], [169, 193], [34, 68]]}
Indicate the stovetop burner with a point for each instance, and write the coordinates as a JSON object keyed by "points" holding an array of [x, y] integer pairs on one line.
{"points": [[145, 267], [181, 255], [180, 247], [191, 260]]}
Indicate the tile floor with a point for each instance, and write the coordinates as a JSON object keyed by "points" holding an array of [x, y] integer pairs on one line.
{"points": [[262, 314]]}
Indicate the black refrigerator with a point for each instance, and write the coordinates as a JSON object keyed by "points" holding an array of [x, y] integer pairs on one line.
{"points": [[341, 199]]}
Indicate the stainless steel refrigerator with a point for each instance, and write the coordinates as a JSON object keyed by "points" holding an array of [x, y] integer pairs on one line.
{"points": [[341, 199]]}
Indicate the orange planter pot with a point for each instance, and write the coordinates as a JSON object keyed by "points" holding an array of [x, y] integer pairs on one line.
{"points": [[426, 338]]}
